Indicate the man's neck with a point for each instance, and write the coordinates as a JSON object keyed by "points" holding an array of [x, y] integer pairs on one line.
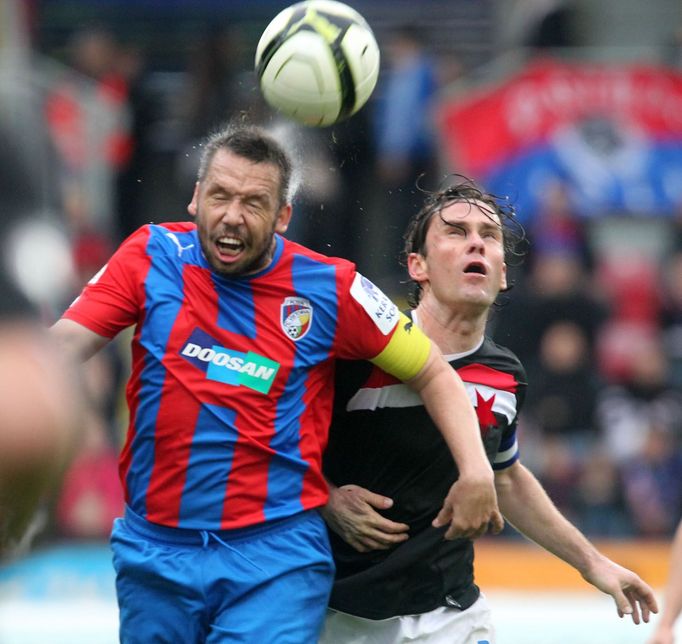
{"points": [[452, 332]]}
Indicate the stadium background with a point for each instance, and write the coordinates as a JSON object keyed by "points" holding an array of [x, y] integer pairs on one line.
{"points": [[573, 109]]}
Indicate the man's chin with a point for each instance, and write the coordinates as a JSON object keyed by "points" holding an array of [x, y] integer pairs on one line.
{"points": [[240, 266], [228, 269]]}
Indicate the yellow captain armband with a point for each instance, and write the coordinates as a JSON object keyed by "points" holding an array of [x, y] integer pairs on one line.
{"points": [[407, 351]]}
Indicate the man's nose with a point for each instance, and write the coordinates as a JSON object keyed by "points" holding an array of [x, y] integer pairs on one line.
{"points": [[232, 213], [476, 243]]}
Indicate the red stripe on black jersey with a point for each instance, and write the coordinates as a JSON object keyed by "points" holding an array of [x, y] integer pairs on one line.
{"points": [[484, 375]]}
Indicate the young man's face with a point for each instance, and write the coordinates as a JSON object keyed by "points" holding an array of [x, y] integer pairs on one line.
{"points": [[463, 262], [237, 213]]}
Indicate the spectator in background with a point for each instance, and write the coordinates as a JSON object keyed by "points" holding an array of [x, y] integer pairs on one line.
{"points": [[652, 481], [557, 288], [672, 49], [90, 497], [626, 411], [562, 400], [671, 315], [598, 504], [144, 109], [404, 136], [538, 26], [556, 227], [88, 120], [213, 92], [352, 147]]}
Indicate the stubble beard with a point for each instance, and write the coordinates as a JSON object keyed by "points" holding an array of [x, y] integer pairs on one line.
{"points": [[262, 260]]}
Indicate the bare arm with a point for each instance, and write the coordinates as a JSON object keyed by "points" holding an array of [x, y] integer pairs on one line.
{"points": [[471, 505], [527, 507], [79, 342], [664, 633]]}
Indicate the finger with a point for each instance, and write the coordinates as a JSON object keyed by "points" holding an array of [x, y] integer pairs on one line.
{"points": [[364, 543], [637, 603], [388, 539], [644, 608], [374, 544], [622, 603], [457, 532], [442, 518], [377, 500], [647, 594], [496, 523], [632, 603], [390, 527]]}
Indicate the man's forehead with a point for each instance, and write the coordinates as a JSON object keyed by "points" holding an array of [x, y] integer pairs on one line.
{"points": [[226, 163], [470, 210]]}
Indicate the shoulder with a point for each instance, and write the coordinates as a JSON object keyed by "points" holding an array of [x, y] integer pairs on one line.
{"points": [[293, 248], [498, 353], [492, 360], [164, 236]]}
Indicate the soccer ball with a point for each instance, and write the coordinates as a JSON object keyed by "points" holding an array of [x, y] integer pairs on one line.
{"points": [[317, 62]]}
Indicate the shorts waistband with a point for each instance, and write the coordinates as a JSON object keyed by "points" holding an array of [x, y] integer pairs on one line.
{"points": [[189, 536]]}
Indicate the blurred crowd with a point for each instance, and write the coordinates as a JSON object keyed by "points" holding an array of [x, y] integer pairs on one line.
{"points": [[598, 327]]}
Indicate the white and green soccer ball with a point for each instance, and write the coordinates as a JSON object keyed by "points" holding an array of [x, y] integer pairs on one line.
{"points": [[317, 62]]}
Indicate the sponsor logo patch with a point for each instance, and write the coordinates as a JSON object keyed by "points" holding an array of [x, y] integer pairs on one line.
{"points": [[228, 365], [296, 316], [378, 305]]}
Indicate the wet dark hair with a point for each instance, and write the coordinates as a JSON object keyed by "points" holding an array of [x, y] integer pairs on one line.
{"points": [[457, 188], [252, 143]]}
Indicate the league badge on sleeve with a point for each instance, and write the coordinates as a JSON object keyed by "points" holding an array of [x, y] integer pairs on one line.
{"points": [[296, 317], [380, 308]]}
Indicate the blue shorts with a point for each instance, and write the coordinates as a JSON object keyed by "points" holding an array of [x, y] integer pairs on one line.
{"points": [[268, 583]]}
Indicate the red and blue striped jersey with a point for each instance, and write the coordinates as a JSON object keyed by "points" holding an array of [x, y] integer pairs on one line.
{"points": [[231, 387]]}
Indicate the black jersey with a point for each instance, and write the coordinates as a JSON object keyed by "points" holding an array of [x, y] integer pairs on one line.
{"points": [[383, 439]]}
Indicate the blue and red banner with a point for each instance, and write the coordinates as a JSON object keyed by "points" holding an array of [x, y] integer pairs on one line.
{"points": [[612, 134]]}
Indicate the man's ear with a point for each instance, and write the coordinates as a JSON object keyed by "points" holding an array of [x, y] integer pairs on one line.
{"points": [[503, 279], [416, 267], [192, 205], [283, 219]]}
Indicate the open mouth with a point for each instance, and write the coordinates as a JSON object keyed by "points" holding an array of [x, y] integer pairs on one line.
{"points": [[230, 246], [477, 268]]}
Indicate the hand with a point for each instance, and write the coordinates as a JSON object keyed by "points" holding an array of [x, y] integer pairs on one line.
{"points": [[630, 593], [662, 635], [351, 513], [470, 508]]}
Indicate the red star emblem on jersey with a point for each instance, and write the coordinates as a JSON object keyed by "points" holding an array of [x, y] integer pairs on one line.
{"points": [[484, 411]]}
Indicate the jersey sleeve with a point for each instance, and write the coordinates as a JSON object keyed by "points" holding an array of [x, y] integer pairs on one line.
{"points": [[508, 452], [112, 300], [371, 327]]}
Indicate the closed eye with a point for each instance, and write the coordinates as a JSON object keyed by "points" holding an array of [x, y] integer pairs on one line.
{"points": [[454, 229]]}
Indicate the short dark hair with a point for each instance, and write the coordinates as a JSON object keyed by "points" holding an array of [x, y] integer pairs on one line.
{"points": [[457, 188], [253, 143]]}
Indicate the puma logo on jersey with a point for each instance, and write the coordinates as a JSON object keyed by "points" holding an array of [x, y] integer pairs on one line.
{"points": [[181, 249]]}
